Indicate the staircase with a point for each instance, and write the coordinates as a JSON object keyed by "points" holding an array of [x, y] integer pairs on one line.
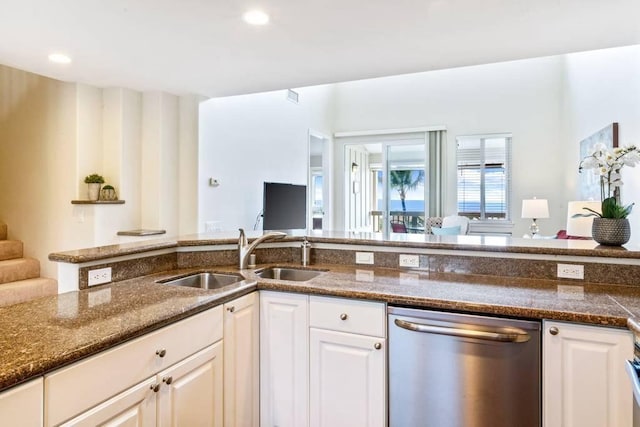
{"points": [[20, 277]]}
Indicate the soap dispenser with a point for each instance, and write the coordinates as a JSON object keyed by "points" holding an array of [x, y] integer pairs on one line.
{"points": [[306, 252]]}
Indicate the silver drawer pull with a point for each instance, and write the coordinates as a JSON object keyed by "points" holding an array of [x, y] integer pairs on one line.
{"points": [[155, 387], [377, 346], [509, 334], [161, 353], [344, 316], [167, 380], [554, 331]]}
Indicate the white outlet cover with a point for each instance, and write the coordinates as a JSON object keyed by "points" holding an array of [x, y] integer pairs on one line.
{"points": [[364, 257], [571, 271], [99, 276], [407, 260]]}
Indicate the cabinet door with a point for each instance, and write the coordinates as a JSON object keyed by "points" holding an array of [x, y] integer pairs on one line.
{"points": [[23, 405], [135, 407], [284, 359], [242, 362], [191, 391], [347, 380], [584, 380]]}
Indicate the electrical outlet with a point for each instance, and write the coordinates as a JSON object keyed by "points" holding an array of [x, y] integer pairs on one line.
{"points": [[364, 257], [571, 271], [100, 276], [409, 260]]}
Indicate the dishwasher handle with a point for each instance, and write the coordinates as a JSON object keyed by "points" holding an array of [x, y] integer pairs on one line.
{"points": [[503, 334], [633, 369]]}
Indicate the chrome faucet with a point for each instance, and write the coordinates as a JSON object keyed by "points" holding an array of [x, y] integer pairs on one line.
{"points": [[244, 249]]}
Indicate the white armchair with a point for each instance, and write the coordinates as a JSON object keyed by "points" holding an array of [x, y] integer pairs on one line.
{"points": [[454, 221]]}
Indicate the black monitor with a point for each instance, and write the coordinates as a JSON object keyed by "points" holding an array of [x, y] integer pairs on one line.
{"points": [[284, 206]]}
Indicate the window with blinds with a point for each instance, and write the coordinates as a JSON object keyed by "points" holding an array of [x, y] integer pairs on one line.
{"points": [[484, 176]]}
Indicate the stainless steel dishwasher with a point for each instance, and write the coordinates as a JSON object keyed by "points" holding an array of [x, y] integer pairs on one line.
{"points": [[459, 370]]}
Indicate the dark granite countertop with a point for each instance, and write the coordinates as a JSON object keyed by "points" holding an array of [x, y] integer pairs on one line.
{"points": [[51, 332], [504, 244]]}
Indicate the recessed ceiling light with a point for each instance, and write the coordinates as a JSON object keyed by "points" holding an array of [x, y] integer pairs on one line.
{"points": [[59, 58], [256, 17]]}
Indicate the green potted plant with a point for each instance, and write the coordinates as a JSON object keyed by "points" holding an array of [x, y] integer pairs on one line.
{"points": [[94, 182], [610, 225]]}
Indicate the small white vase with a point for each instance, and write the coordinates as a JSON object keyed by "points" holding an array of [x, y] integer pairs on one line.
{"points": [[93, 191]]}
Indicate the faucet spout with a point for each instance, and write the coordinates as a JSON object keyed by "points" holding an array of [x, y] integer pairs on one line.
{"points": [[244, 249]]}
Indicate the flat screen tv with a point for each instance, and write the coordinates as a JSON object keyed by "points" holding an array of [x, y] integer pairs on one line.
{"points": [[284, 206]]}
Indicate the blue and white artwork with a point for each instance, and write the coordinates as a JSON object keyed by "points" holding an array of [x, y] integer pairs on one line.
{"points": [[590, 182]]}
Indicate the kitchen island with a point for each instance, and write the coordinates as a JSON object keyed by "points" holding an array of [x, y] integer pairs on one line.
{"points": [[506, 278]]}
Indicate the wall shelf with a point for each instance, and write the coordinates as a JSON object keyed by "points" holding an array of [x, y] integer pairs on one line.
{"points": [[97, 202]]}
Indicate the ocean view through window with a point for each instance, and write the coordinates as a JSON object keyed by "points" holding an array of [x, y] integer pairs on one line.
{"points": [[484, 176]]}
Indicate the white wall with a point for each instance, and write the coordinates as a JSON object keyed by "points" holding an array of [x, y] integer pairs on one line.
{"points": [[38, 154], [603, 87], [53, 134], [247, 140], [521, 97]]}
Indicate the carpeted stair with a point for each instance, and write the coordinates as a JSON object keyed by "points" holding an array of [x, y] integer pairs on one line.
{"points": [[20, 277]]}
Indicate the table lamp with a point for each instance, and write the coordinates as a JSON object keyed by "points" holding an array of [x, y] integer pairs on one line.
{"points": [[535, 209]]}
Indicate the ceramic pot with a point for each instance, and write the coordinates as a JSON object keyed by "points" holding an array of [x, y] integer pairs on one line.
{"points": [[611, 231], [93, 191], [108, 194]]}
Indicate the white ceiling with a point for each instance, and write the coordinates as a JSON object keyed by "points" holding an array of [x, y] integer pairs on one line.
{"points": [[204, 47]]}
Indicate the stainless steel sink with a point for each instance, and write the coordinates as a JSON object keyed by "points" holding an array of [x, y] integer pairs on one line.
{"points": [[293, 274], [205, 280]]}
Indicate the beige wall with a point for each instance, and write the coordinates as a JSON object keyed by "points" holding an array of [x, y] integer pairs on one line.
{"points": [[53, 134]]}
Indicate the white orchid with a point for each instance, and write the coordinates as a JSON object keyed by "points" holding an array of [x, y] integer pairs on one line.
{"points": [[608, 164]]}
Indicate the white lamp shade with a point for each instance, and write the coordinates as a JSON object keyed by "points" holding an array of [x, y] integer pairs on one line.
{"points": [[581, 226], [535, 208]]}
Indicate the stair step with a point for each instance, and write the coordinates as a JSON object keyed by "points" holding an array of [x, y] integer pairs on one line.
{"points": [[10, 249], [3, 231], [26, 290], [13, 270]]}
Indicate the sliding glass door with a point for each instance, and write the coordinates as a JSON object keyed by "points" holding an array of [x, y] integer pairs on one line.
{"points": [[406, 172], [386, 186]]}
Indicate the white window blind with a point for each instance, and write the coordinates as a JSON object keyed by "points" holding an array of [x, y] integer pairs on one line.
{"points": [[484, 178]]}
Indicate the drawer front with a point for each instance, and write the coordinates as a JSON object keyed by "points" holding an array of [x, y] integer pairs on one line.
{"points": [[346, 315], [72, 390]]}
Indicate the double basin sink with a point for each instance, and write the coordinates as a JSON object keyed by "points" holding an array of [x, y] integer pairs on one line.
{"points": [[209, 280]]}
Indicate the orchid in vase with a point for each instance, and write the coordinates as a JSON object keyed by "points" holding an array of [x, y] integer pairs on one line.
{"points": [[608, 165]]}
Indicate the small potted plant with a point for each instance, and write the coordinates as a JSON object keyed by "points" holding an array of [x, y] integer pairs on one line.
{"points": [[610, 226], [94, 182]]}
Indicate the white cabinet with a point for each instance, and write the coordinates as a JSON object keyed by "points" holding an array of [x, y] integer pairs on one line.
{"points": [[284, 359], [242, 362], [190, 391], [120, 386], [133, 407], [347, 380], [347, 385], [584, 380], [22, 405]]}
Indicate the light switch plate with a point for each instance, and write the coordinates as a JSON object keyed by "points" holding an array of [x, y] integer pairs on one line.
{"points": [[364, 257]]}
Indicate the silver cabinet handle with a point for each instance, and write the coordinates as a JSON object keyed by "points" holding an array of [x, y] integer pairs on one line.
{"points": [[155, 387], [344, 316], [554, 331], [161, 353], [167, 380], [377, 346], [231, 309], [506, 334]]}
